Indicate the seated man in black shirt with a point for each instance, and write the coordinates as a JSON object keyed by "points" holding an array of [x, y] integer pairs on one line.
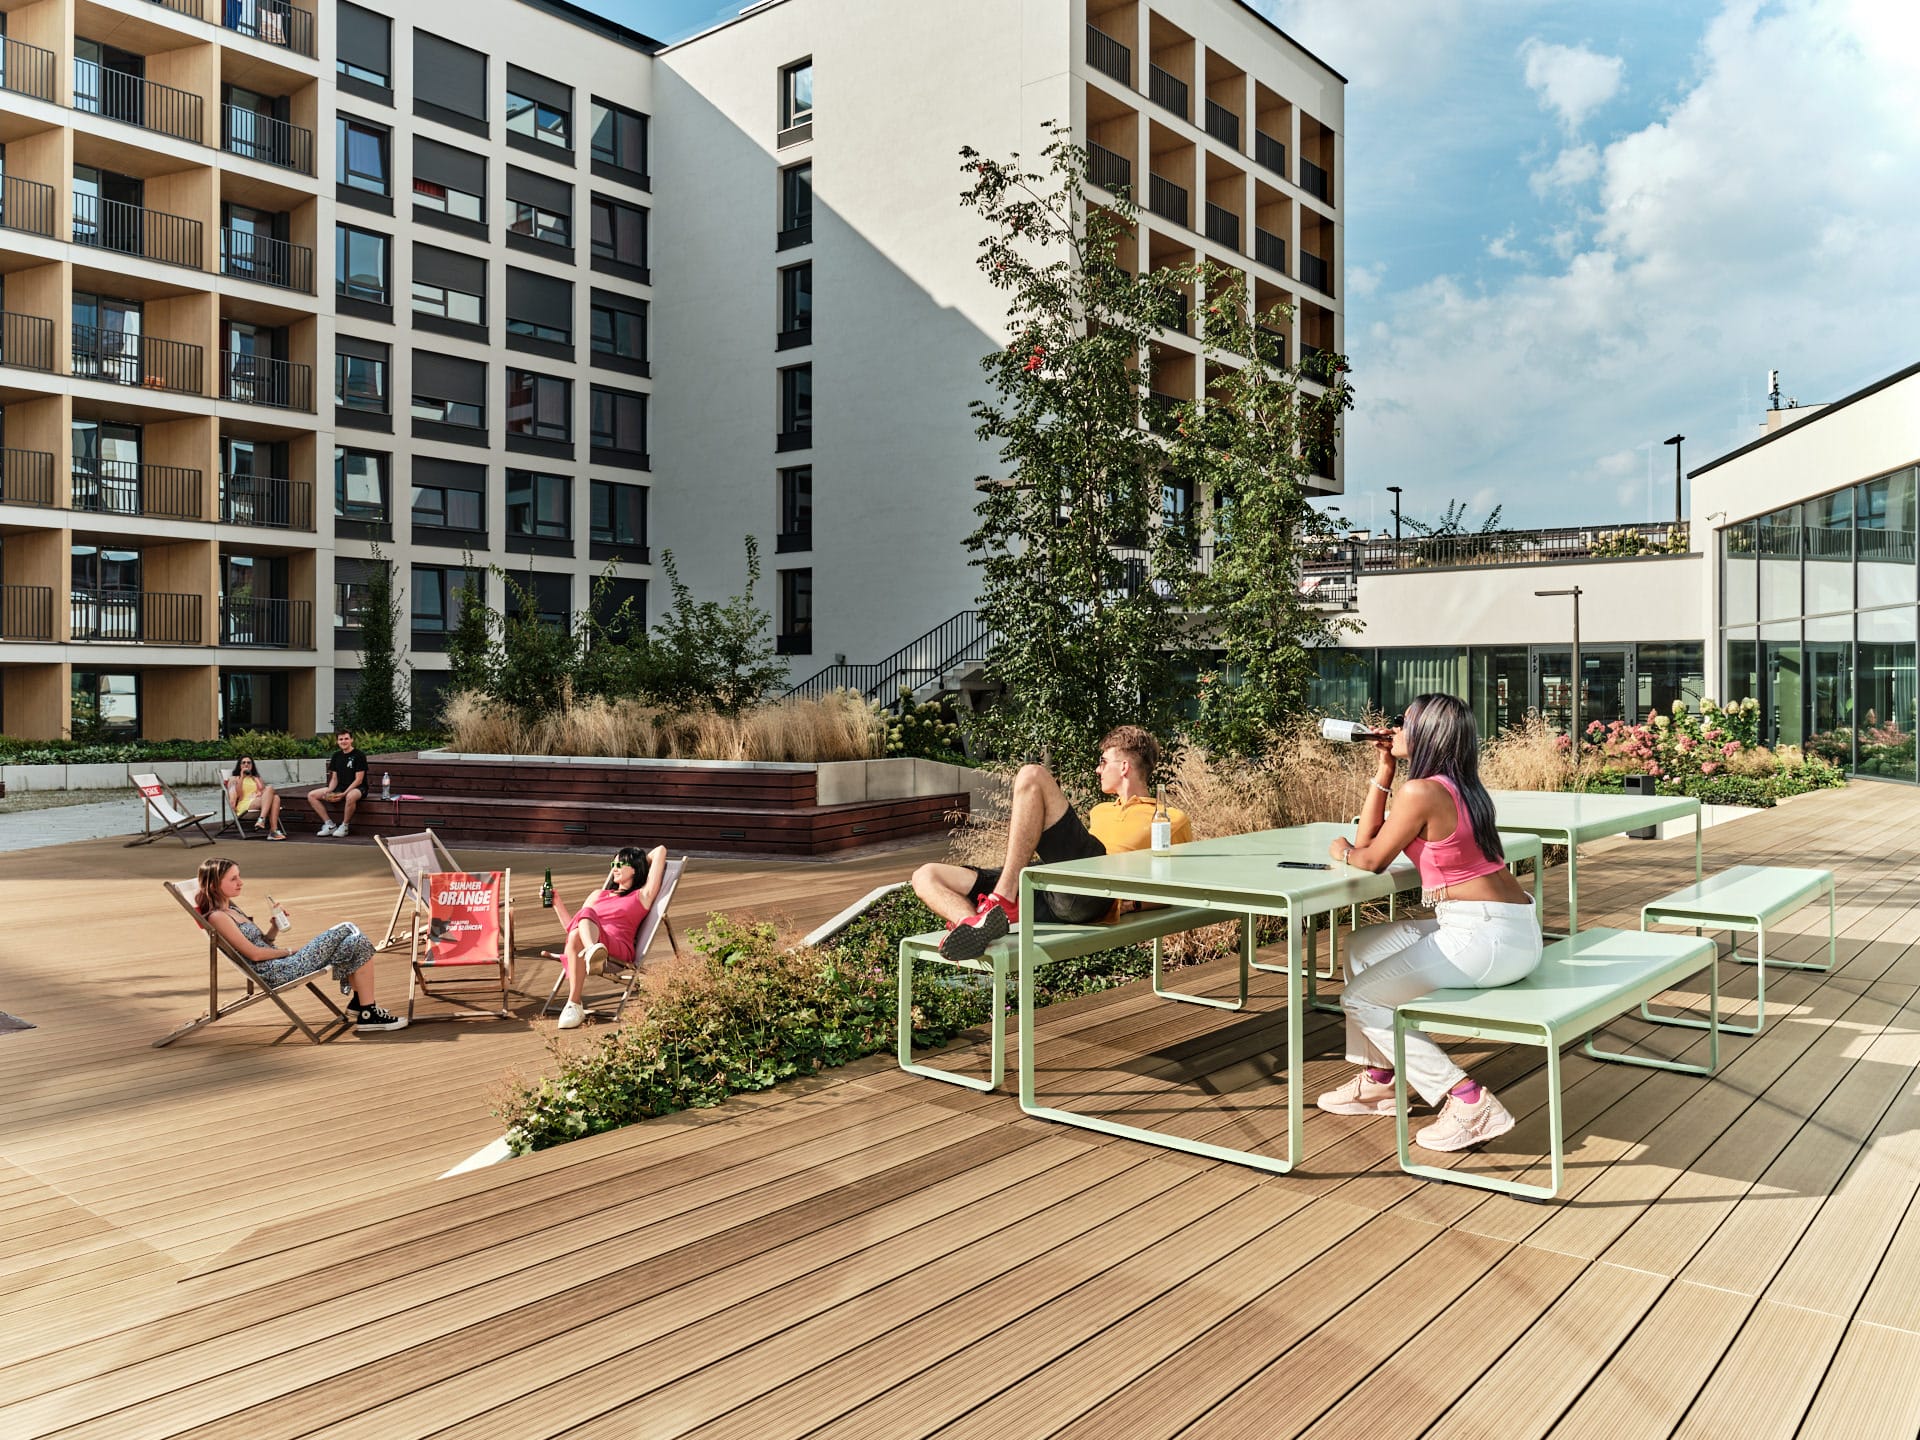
{"points": [[346, 782]]}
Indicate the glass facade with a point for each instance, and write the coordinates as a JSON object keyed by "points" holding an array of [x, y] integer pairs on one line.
{"points": [[1818, 623]]}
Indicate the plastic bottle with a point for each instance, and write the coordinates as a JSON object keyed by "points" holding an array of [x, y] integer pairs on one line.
{"points": [[546, 890], [386, 785], [1162, 821]]}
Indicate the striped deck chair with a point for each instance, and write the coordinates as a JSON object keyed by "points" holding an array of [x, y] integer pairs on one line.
{"points": [[162, 814], [411, 856]]}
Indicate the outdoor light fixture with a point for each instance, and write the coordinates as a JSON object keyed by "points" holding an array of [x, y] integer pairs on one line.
{"points": [[1394, 490], [1574, 702], [1674, 441]]}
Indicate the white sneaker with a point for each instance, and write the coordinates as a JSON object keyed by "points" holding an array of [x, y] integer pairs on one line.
{"points": [[326, 827], [572, 1016], [593, 954], [339, 830]]}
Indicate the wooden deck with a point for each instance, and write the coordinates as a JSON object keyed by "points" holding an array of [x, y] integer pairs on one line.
{"points": [[234, 1239]]}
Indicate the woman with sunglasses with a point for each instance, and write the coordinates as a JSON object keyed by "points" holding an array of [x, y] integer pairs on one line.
{"points": [[1483, 932], [246, 791], [609, 922]]}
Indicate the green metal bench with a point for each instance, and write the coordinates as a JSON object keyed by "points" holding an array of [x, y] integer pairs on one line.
{"points": [[1583, 983], [1063, 942], [1745, 897]]}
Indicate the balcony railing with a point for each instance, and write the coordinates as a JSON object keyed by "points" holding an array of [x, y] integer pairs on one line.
{"points": [[1109, 56], [136, 230], [26, 341], [1223, 125], [26, 69], [254, 136], [141, 617], [273, 22], [1161, 411], [1108, 170], [26, 205], [266, 502], [138, 101], [260, 258], [1498, 547], [122, 358], [1315, 181], [262, 380], [1272, 343], [26, 612], [1269, 249], [266, 624], [1167, 200], [1270, 152], [1167, 91], [1316, 272], [128, 487], [1223, 226], [190, 8], [26, 477], [1182, 314]]}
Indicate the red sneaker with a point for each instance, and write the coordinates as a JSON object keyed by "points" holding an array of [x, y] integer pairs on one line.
{"points": [[991, 920]]}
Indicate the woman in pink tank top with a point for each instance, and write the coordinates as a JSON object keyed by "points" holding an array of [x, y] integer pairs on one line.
{"points": [[1482, 934], [608, 923]]}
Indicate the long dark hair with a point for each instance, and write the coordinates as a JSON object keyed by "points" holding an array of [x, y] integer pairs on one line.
{"points": [[247, 760], [1443, 740]]}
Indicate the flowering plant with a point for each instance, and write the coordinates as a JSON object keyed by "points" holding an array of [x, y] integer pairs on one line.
{"points": [[1682, 744]]}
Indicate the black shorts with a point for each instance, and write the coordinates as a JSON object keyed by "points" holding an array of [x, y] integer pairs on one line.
{"points": [[1066, 839]]}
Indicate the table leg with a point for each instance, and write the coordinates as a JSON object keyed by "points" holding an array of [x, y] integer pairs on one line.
{"points": [[1296, 1038], [1573, 885]]}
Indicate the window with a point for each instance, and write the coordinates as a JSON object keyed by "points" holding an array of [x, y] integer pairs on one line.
{"points": [[448, 183], [796, 509], [796, 205], [619, 234], [449, 391], [547, 226], [438, 508], [796, 98], [620, 329], [360, 376], [360, 265], [539, 506], [796, 613], [542, 209], [620, 605], [796, 305], [540, 307], [437, 595], [539, 111], [619, 424], [360, 486], [620, 139], [619, 514], [441, 303], [796, 407], [449, 83], [549, 597], [539, 406], [352, 582], [363, 46], [449, 289], [361, 149]]}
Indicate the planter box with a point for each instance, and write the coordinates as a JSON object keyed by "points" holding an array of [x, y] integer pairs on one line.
{"points": [[178, 773]]}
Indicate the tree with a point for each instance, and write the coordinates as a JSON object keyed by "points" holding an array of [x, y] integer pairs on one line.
{"points": [[1080, 589], [715, 653], [1250, 444], [380, 703], [470, 648], [535, 665]]}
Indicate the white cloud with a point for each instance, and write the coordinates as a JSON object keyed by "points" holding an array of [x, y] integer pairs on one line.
{"points": [[1571, 168], [1570, 80], [1501, 247], [1364, 280], [1399, 45]]}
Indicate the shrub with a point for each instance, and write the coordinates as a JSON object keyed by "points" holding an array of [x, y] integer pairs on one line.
{"points": [[927, 730], [836, 727], [266, 745], [262, 745]]}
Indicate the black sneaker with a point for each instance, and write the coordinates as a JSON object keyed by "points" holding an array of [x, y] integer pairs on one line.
{"points": [[972, 938], [372, 1017]]}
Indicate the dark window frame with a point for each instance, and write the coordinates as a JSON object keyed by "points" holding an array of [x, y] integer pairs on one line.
{"points": [[608, 162]]}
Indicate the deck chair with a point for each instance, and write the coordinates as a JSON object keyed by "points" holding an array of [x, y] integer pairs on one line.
{"points": [[257, 989], [629, 974], [463, 940], [411, 856], [163, 814]]}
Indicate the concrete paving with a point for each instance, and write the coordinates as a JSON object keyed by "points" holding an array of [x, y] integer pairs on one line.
{"points": [[60, 824]]}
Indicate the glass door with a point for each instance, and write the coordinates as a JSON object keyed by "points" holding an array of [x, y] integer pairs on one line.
{"points": [[1605, 693]]}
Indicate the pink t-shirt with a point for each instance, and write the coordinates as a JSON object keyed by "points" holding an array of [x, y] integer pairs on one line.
{"points": [[618, 917]]}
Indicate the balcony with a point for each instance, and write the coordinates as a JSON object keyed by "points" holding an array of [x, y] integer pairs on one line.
{"points": [[1316, 272], [128, 487], [26, 205], [136, 230], [1109, 56], [136, 617], [1270, 152], [799, 438], [272, 22], [1269, 249], [1182, 314], [1223, 125], [26, 69], [26, 477], [1315, 181], [254, 136], [1223, 226], [137, 101], [120, 357], [266, 624], [26, 341], [266, 502], [1167, 200], [26, 612], [247, 256], [262, 380], [1162, 412], [1167, 91], [1108, 170]]}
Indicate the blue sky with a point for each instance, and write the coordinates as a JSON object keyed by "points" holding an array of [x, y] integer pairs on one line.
{"points": [[1576, 228]]}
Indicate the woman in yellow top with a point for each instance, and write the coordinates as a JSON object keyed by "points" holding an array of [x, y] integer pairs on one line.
{"points": [[248, 793]]}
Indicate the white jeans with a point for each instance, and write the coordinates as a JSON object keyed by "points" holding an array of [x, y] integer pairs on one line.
{"points": [[1469, 944]]}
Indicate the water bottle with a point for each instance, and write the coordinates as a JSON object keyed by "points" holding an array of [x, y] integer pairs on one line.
{"points": [[386, 786], [1162, 821], [546, 890]]}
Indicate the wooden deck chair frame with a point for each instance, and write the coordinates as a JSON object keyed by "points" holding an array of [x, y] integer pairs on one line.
{"points": [[405, 872], [464, 979], [162, 804], [257, 989], [656, 921]]}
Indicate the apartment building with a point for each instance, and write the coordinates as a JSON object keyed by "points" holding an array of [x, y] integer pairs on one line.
{"points": [[204, 448]]}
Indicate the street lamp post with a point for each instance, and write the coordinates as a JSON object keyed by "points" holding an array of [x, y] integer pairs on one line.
{"points": [[1574, 702], [1394, 490], [1678, 514]]}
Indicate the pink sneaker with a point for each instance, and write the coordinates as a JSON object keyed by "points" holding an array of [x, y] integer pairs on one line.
{"points": [[1362, 1095], [991, 920], [1462, 1126]]}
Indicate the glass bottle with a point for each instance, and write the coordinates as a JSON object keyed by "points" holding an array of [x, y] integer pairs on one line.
{"points": [[546, 890], [1162, 821]]}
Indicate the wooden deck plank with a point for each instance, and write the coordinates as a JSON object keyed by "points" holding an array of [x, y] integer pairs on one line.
{"points": [[1652, 1379], [1769, 1374], [1872, 1389]]}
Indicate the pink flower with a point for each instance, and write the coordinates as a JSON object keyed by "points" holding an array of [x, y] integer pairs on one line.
{"points": [[1686, 742], [1653, 769], [1730, 749], [1709, 767], [1561, 742]]}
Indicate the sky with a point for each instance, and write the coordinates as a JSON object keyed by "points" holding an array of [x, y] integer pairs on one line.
{"points": [[1577, 227]]}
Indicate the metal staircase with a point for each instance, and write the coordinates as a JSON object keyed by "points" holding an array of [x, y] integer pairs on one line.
{"points": [[923, 667]]}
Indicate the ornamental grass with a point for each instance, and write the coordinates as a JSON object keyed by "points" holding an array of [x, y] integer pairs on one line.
{"points": [[840, 726]]}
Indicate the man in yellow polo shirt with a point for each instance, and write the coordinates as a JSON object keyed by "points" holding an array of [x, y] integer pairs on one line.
{"points": [[980, 905]]}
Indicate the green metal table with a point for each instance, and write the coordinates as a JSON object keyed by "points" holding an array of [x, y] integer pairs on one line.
{"points": [[1573, 819], [1238, 875]]}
